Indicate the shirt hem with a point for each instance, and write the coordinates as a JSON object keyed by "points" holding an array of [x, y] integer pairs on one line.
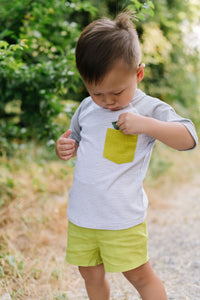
{"points": [[108, 227]]}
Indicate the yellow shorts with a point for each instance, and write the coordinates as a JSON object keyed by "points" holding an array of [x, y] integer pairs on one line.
{"points": [[118, 250]]}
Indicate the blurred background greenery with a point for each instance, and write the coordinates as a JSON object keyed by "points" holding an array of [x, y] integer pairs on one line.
{"points": [[39, 85], [40, 89]]}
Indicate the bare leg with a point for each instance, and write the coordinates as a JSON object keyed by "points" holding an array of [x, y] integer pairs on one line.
{"points": [[96, 283], [146, 282]]}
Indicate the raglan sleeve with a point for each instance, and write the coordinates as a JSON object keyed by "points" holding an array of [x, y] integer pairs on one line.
{"points": [[164, 112], [75, 126]]}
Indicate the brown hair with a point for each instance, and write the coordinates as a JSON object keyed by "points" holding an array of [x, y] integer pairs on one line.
{"points": [[103, 42]]}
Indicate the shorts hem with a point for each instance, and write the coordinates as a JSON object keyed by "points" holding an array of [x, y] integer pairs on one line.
{"points": [[75, 263], [118, 269], [125, 268]]}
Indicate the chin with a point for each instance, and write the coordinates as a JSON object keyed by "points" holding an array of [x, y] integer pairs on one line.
{"points": [[114, 109]]}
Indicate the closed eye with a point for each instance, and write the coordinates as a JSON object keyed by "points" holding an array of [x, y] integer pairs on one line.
{"points": [[118, 93]]}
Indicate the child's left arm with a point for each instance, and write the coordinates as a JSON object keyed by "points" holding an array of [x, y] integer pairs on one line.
{"points": [[173, 134]]}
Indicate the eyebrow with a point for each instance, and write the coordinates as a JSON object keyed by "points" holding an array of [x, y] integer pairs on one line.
{"points": [[110, 92], [118, 91]]}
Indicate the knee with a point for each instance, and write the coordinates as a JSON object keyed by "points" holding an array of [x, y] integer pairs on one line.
{"points": [[86, 273], [134, 279], [140, 276], [93, 274]]}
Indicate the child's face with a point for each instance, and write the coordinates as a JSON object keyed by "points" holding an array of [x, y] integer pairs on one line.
{"points": [[118, 87]]}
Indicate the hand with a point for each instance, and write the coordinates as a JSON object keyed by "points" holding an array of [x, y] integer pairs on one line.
{"points": [[172, 134], [131, 123], [65, 147]]}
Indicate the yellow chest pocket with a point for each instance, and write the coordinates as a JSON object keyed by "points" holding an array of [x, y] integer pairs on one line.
{"points": [[119, 147]]}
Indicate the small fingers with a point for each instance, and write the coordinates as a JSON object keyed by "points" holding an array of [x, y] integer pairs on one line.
{"points": [[66, 141], [66, 147], [65, 155], [123, 129], [67, 152], [121, 119], [121, 124]]}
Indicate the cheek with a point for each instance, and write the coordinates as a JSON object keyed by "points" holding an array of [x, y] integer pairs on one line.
{"points": [[127, 97], [131, 94], [98, 101]]}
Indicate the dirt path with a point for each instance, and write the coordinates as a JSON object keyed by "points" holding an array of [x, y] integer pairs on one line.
{"points": [[33, 231], [174, 247]]}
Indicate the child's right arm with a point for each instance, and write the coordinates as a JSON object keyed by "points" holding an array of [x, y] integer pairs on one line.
{"points": [[66, 148]]}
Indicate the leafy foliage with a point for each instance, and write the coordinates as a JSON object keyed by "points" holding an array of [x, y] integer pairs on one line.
{"points": [[37, 66], [141, 9], [171, 69], [37, 70]]}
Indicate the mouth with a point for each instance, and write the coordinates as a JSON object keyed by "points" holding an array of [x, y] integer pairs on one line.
{"points": [[113, 108]]}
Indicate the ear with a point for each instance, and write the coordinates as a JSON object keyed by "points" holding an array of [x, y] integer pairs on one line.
{"points": [[140, 72]]}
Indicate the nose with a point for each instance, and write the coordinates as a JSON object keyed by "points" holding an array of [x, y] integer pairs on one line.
{"points": [[109, 100]]}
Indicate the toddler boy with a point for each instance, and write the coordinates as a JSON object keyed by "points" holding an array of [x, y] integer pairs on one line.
{"points": [[113, 133]]}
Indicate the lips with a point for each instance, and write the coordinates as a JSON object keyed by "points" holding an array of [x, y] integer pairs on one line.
{"points": [[113, 108]]}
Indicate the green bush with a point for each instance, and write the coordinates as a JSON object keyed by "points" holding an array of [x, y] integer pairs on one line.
{"points": [[37, 66]]}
